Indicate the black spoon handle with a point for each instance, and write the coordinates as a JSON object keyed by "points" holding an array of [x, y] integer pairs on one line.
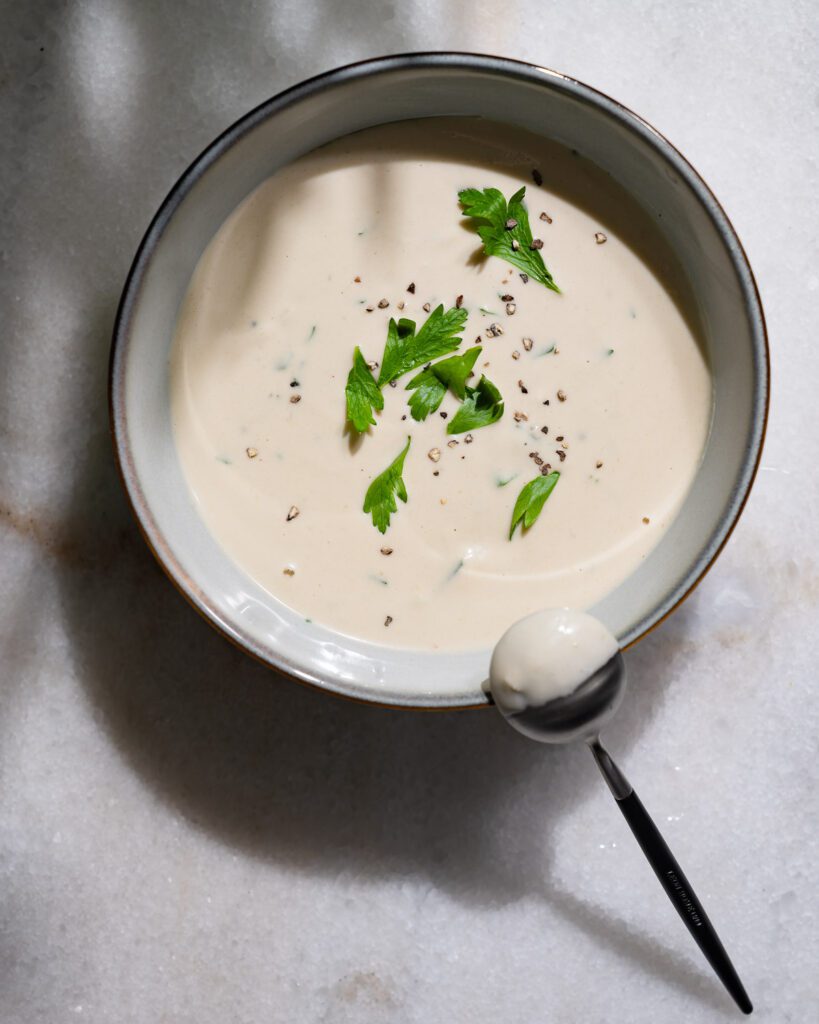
{"points": [[671, 876]]}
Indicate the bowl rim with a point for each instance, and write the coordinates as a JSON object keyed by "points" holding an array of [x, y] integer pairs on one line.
{"points": [[456, 60]]}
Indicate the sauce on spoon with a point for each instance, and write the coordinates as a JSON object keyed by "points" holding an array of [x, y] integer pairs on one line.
{"points": [[547, 655]]}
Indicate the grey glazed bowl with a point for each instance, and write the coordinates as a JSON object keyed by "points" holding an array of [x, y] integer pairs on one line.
{"points": [[335, 104]]}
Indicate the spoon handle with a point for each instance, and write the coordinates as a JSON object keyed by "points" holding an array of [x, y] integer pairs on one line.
{"points": [[671, 876]]}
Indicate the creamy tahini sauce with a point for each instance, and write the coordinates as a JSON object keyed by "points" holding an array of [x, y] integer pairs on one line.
{"points": [[281, 297], [547, 655]]}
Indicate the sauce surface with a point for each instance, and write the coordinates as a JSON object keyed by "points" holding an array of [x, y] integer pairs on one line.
{"points": [[274, 311], [547, 655]]}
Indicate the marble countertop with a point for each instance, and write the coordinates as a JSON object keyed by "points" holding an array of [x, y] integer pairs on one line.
{"points": [[183, 836]]}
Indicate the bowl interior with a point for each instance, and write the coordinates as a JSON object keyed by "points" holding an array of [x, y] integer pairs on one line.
{"points": [[349, 100]]}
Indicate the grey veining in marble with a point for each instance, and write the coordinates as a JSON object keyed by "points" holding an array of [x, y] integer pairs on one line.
{"points": [[185, 838]]}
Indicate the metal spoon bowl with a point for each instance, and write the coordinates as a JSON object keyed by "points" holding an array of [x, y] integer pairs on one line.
{"points": [[579, 715]]}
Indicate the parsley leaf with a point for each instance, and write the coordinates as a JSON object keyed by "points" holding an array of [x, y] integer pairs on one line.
{"points": [[532, 499], [405, 350], [428, 394], [491, 213], [363, 394], [397, 351], [455, 371], [379, 500], [483, 405], [431, 384]]}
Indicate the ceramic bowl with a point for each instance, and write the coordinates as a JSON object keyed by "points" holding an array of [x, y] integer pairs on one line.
{"points": [[344, 101]]}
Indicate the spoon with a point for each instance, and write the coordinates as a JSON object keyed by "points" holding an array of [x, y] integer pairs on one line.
{"points": [[558, 676]]}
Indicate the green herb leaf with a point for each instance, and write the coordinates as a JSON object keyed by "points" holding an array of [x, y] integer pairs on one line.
{"points": [[428, 394], [531, 500], [363, 394], [490, 213], [455, 371], [397, 351], [483, 405], [431, 384], [405, 350], [379, 500]]}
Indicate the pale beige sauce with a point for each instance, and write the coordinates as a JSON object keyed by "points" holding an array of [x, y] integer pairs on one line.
{"points": [[547, 655], [274, 299]]}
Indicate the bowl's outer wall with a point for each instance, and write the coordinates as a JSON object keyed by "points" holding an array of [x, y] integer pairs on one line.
{"points": [[348, 100]]}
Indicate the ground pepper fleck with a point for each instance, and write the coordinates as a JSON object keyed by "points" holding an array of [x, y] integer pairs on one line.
{"points": [[251, 452], [293, 511], [411, 287], [295, 399], [527, 344], [388, 620]]}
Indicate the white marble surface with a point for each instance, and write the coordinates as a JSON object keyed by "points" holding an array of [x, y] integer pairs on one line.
{"points": [[185, 838]]}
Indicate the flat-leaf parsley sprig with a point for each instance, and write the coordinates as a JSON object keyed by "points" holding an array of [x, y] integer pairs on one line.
{"points": [[482, 406], [405, 350], [379, 500], [431, 384], [363, 394], [531, 500], [505, 232]]}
